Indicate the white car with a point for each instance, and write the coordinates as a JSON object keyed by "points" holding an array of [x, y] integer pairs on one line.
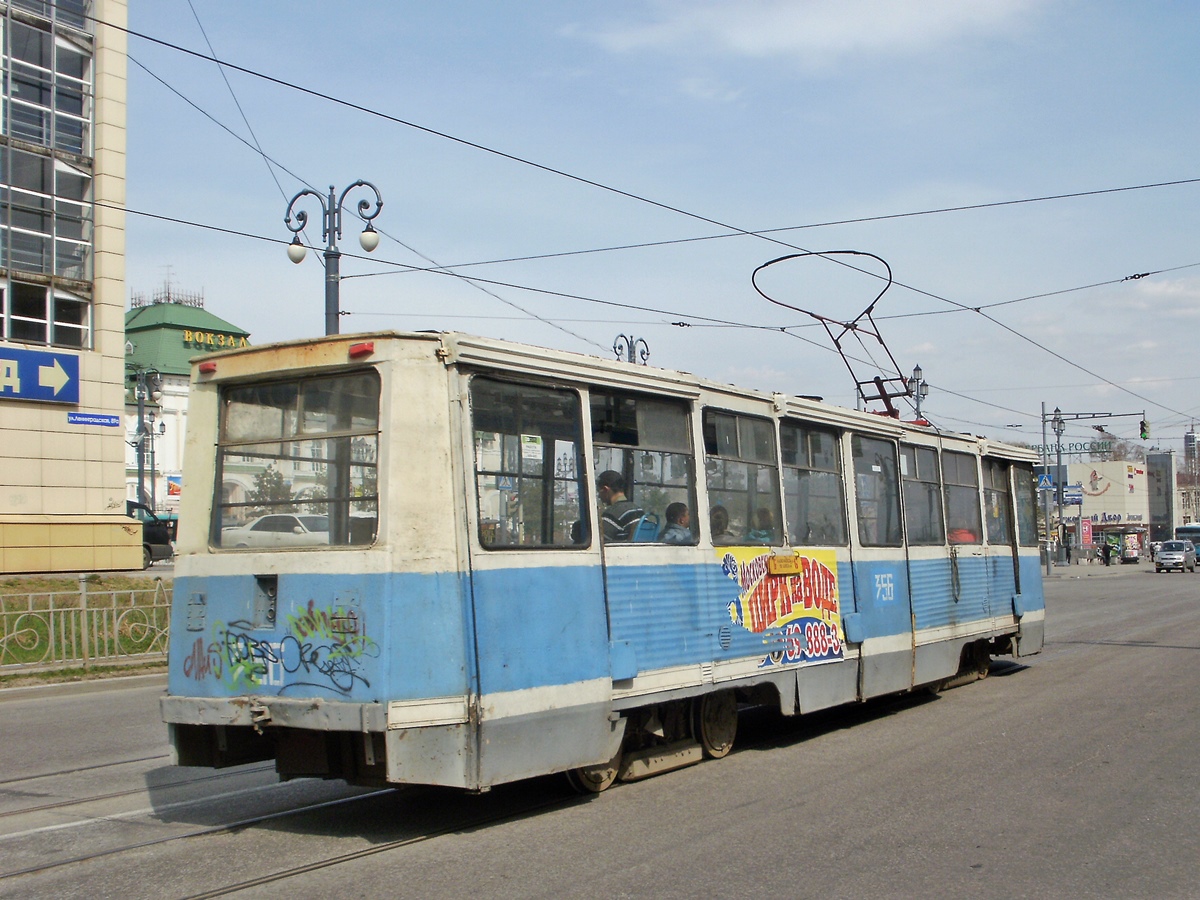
{"points": [[279, 530], [1175, 555]]}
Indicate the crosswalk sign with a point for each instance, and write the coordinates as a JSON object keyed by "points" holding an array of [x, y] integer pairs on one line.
{"points": [[1045, 482]]}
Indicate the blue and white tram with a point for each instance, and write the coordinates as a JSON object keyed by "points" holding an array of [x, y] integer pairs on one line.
{"points": [[393, 566]]}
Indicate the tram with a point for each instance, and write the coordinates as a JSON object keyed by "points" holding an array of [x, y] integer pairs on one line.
{"points": [[433, 558]]}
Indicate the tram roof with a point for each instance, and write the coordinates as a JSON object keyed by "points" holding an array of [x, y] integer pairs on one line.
{"points": [[568, 366]]}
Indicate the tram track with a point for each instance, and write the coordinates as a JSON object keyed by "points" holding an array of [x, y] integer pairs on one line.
{"points": [[81, 769], [225, 828], [353, 855], [760, 734], [83, 801]]}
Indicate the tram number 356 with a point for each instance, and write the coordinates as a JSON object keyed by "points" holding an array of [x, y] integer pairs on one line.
{"points": [[885, 588]]}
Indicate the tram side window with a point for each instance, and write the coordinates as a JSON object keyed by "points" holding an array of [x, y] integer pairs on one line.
{"points": [[812, 484], [298, 462], [743, 479], [922, 495], [527, 465], [876, 492], [997, 503], [647, 441], [963, 525], [1026, 487]]}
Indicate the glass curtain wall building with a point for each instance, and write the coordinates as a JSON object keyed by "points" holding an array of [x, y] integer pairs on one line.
{"points": [[62, 293]]}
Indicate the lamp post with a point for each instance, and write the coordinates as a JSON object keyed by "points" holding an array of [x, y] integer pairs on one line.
{"points": [[152, 433], [631, 348], [147, 384], [1059, 426], [918, 388], [331, 231]]}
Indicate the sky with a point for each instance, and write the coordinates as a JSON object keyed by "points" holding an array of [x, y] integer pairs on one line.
{"points": [[598, 170]]}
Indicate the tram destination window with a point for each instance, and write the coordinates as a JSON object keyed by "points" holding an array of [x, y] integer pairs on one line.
{"points": [[997, 503], [812, 484], [963, 524], [297, 463], [743, 479], [876, 494], [1026, 487], [528, 469], [647, 442], [922, 495]]}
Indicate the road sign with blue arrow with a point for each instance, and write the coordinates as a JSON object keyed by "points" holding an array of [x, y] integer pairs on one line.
{"points": [[44, 376]]}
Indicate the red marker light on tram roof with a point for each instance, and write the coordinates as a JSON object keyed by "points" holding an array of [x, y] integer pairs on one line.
{"points": [[366, 348], [207, 368]]}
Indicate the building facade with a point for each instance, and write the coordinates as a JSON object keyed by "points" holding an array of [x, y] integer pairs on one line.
{"points": [[164, 332], [62, 288]]}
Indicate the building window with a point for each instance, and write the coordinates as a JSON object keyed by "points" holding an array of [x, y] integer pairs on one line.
{"points": [[45, 216], [65, 12], [35, 314], [48, 95]]}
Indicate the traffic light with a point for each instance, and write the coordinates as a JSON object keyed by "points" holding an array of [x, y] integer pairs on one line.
{"points": [[1145, 429]]}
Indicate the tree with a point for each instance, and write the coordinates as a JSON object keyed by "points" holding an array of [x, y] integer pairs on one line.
{"points": [[270, 490], [1121, 451]]}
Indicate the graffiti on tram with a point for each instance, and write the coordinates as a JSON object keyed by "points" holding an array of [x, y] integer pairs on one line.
{"points": [[324, 648]]}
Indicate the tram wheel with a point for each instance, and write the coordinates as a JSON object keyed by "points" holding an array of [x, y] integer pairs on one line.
{"points": [[715, 723], [594, 779]]}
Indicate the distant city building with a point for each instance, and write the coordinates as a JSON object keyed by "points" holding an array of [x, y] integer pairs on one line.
{"points": [[164, 331], [62, 288], [1164, 498]]}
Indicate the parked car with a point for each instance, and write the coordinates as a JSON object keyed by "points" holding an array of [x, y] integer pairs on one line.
{"points": [[1175, 555], [278, 530], [158, 535]]}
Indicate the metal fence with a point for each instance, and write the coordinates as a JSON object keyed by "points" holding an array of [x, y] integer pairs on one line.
{"points": [[82, 629]]}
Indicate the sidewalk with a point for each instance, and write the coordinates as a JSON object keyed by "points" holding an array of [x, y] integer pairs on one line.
{"points": [[1096, 568]]}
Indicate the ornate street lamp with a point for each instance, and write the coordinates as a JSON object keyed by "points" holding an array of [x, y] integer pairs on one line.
{"points": [[1059, 426], [152, 433], [631, 349], [147, 386], [331, 232], [918, 388]]}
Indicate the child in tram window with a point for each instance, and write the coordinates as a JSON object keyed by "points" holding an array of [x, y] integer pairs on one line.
{"points": [[678, 529]]}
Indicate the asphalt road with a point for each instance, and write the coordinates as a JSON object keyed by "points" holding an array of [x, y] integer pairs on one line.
{"points": [[1074, 773]]}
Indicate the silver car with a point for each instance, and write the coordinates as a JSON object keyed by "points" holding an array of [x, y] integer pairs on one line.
{"points": [[1175, 555], [279, 530]]}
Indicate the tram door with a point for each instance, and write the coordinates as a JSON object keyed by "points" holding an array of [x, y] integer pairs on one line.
{"points": [[1003, 565], [882, 598], [646, 525], [969, 599], [540, 627]]}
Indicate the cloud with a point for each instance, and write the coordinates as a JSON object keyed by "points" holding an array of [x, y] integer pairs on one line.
{"points": [[815, 33], [709, 90]]}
